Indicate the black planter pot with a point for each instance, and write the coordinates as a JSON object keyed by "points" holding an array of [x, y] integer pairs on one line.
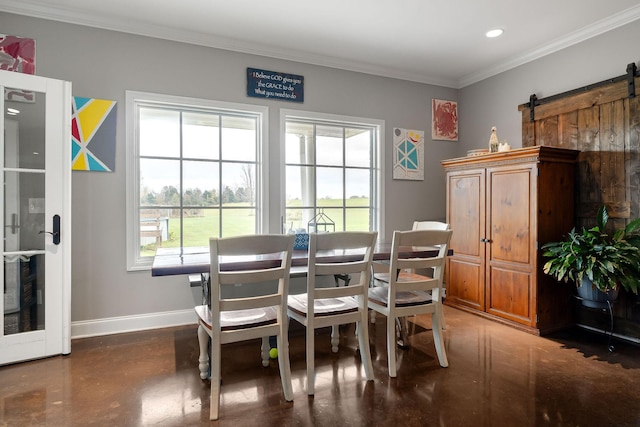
{"points": [[591, 296]]}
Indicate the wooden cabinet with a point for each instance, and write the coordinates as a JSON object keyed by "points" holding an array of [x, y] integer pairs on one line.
{"points": [[502, 208]]}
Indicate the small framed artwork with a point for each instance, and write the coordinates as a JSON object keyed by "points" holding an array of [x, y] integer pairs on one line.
{"points": [[444, 120], [408, 154], [18, 54], [93, 134]]}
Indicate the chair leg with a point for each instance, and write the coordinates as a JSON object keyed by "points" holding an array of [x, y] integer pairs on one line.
{"points": [[439, 340], [214, 404], [363, 342], [335, 338], [284, 364], [391, 345], [310, 360], [402, 331], [437, 297], [203, 359], [443, 323], [265, 351]]}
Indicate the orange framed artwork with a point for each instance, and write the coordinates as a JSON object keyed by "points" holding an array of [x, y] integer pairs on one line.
{"points": [[444, 120]]}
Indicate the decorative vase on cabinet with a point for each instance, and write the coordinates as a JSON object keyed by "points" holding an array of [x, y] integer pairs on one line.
{"points": [[503, 207]]}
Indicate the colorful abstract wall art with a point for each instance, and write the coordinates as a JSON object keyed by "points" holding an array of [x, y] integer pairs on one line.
{"points": [[408, 154], [93, 135], [444, 120], [18, 54]]}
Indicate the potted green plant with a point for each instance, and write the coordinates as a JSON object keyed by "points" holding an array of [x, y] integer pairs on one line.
{"points": [[599, 263]]}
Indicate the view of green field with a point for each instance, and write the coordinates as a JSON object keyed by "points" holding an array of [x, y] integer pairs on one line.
{"points": [[237, 221]]}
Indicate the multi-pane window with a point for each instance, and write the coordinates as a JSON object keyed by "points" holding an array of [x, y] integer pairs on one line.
{"points": [[331, 173], [198, 173]]}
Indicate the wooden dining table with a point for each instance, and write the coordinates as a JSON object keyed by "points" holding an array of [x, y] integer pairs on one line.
{"points": [[196, 260]]}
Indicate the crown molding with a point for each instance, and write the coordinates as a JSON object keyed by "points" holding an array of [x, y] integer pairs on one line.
{"points": [[598, 28], [71, 16]]}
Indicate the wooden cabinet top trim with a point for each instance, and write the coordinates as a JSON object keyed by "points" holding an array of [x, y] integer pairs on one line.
{"points": [[536, 154]]}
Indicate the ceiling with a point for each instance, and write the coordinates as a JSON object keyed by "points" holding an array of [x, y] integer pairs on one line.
{"points": [[437, 42]]}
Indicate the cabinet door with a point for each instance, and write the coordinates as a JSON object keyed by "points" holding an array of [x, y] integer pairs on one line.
{"points": [[511, 207], [466, 214]]}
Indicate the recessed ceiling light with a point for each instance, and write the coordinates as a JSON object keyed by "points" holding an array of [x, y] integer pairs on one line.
{"points": [[497, 32]]}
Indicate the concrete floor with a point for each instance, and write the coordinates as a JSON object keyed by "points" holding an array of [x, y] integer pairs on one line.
{"points": [[497, 376]]}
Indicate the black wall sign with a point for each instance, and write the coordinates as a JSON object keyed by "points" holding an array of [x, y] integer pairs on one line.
{"points": [[274, 85]]}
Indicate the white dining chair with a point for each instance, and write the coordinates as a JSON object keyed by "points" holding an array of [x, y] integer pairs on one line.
{"points": [[410, 294], [232, 319], [401, 323], [320, 307]]}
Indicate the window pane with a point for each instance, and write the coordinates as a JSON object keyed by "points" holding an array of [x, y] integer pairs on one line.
{"points": [[238, 184], [155, 230], [327, 220], [299, 143], [358, 147], [239, 138], [330, 187], [358, 219], [329, 145], [159, 182], [297, 218], [200, 183], [159, 133], [238, 222], [200, 136], [357, 187], [341, 175], [187, 153], [299, 186], [199, 225]]}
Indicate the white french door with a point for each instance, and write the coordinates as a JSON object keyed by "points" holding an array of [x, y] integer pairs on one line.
{"points": [[35, 226]]}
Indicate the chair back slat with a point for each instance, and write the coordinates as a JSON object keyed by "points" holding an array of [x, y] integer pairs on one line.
{"points": [[426, 284], [247, 303], [340, 268], [250, 276], [339, 291], [430, 225]]}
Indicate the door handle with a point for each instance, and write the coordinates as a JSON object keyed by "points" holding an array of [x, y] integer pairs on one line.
{"points": [[55, 234]]}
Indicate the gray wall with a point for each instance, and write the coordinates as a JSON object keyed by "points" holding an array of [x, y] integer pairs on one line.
{"points": [[103, 64]]}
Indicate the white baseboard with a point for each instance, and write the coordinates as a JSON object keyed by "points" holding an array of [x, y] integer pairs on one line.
{"points": [[118, 325]]}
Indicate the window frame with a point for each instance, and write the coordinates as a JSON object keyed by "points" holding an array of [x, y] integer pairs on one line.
{"points": [[135, 100], [378, 170]]}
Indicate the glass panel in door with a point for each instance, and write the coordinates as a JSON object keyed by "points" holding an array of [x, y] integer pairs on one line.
{"points": [[24, 204]]}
